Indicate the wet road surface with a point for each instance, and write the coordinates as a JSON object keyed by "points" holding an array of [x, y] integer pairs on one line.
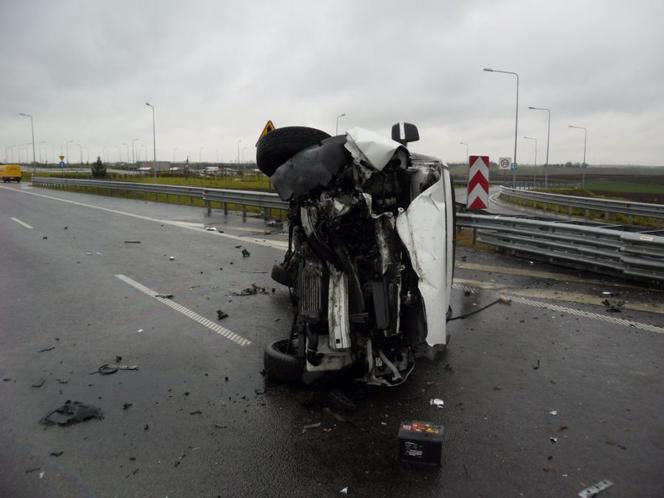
{"points": [[543, 397]]}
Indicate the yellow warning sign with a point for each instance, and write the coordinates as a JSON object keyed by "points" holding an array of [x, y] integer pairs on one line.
{"points": [[62, 158], [269, 126]]}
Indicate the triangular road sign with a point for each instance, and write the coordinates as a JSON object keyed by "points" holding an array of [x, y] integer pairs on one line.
{"points": [[269, 126]]}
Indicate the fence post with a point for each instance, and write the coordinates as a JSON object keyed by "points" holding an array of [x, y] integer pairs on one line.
{"points": [[225, 208], [244, 212]]}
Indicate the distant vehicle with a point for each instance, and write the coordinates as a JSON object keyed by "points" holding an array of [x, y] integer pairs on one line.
{"points": [[370, 253], [174, 169], [145, 169], [212, 169], [10, 172]]}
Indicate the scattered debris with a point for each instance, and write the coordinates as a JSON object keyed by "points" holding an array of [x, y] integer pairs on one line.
{"points": [[562, 428], [72, 412], [40, 382], [259, 392], [221, 315], [164, 296], [311, 426], [146, 427], [617, 445], [553, 439], [126, 406], [607, 293], [275, 224], [245, 253], [437, 402], [219, 426], [139, 330], [44, 237], [171, 258], [211, 229], [51, 348], [251, 291], [111, 368], [66, 228], [196, 412], [595, 488], [536, 367], [613, 305], [56, 453], [132, 241], [344, 491], [553, 412], [62, 381], [30, 471]]}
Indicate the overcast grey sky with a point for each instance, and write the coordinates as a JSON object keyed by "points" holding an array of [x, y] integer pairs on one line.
{"points": [[217, 70]]}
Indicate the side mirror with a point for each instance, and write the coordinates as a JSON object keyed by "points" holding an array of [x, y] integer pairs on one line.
{"points": [[404, 133]]}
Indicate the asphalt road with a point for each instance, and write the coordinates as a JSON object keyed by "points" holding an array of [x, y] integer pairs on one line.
{"points": [[543, 397]]}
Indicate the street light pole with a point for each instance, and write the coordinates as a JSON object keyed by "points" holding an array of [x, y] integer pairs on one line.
{"points": [[585, 145], [464, 143], [336, 130], [32, 129], [516, 121], [80, 154], [154, 144], [548, 137], [238, 151]]}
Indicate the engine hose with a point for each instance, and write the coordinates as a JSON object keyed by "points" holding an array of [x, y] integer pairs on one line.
{"points": [[501, 300]]}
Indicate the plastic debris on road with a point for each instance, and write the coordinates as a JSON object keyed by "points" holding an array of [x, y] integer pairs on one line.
{"points": [[437, 402], [221, 315], [553, 412], [344, 491], [595, 488], [72, 412], [245, 253], [111, 368], [311, 426], [171, 258]]}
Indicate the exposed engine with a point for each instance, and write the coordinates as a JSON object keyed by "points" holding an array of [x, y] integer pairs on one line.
{"points": [[351, 276]]}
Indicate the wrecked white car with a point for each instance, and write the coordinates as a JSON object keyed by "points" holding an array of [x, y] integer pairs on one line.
{"points": [[370, 257]]}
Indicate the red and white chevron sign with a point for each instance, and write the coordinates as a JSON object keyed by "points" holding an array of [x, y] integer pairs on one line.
{"points": [[478, 183]]}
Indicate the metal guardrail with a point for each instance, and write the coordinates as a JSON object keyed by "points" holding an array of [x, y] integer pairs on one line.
{"points": [[265, 200], [606, 249], [628, 208], [615, 249]]}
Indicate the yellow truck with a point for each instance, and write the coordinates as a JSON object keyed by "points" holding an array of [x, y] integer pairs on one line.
{"points": [[10, 172]]}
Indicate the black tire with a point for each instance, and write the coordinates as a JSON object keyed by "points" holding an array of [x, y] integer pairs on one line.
{"points": [[280, 365], [278, 146]]}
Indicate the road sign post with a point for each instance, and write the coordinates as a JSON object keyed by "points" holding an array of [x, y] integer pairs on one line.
{"points": [[477, 196]]}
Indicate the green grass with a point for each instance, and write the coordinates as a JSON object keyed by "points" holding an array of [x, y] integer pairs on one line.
{"points": [[638, 186]]}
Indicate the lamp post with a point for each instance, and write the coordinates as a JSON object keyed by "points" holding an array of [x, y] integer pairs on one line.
{"points": [[464, 143], [336, 130], [200, 155], [585, 145], [32, 129], [548, 136], [516, 121], [80, 154], [174, 151], [238, 150], [154, 144]]}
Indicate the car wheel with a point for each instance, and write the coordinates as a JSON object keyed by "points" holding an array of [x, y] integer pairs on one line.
{"points": [[279, 145], [282, 365]]}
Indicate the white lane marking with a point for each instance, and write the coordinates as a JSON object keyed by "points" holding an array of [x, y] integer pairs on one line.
{"points": [[22, 223], [278, 244], [571, 311], [222, 331]]}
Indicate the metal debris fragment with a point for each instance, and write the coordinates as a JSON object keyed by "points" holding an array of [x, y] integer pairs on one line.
{"points": [[437, 402], [221, 315], [596, 488]]}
